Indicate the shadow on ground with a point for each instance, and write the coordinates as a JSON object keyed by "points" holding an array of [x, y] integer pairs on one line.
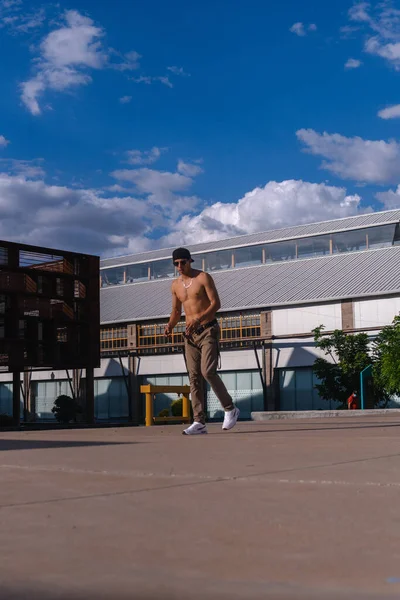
{"points": [[315, 427], [12, 444], [228, 591]]}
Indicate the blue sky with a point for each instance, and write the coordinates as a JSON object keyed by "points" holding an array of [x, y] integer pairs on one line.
{"points": [[128, 126]]}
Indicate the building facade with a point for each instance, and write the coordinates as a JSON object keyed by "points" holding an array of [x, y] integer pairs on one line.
{"points": [[275, 288]]}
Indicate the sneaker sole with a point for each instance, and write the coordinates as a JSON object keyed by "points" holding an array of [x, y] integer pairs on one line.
{"points": [[199, 433]]}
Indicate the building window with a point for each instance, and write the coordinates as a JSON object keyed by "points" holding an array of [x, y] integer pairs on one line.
{"points": [[380, 237], [278, 251], [151, 336], [313, 246], [235, 330], [137, 273], [162, 269], [240, 327], [114, 276], [215, 261], [113, 338], [349, 241], [245, 257], [199, 261], [396, 239]]}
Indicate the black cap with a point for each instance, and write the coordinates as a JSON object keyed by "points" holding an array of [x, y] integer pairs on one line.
{"points": [[180, 253]]}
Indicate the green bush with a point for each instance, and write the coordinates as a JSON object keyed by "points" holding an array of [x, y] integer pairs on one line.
{"points": [[6, 420], [176, 407], [65, 409], [164, 412]]}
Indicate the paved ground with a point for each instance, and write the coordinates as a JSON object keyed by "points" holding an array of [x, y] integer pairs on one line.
{"points": [[287, 510]]}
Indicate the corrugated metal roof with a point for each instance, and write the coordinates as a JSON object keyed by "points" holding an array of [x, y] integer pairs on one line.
{"points": [[360, 221], [347, 275]]}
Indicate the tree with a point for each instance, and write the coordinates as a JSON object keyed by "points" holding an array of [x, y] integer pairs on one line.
{"points": [[349, 354], [386, 354], [65, 409]]}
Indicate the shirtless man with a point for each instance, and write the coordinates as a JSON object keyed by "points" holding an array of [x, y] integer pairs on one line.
{"points": [[196, 291]]}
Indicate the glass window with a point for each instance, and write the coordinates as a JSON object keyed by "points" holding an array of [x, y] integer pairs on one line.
{"points": [[349, 241], [380, 237], [161, 269], [198, 261], [396, 239], [137, 273], [113, 276], [280, 251], [248, 256], [313, 246], [218, 260]]}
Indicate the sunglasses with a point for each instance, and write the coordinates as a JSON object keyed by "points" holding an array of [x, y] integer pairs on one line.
{"points": [[180, 262]]}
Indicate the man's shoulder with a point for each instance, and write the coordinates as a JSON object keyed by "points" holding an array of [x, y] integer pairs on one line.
{"points": [[205, 277]]}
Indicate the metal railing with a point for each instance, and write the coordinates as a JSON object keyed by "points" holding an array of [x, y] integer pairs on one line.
{"points": [[236, 331], [113, 338]]}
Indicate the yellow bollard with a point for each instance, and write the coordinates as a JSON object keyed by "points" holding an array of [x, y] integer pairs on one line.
{"points": [[149, 409], [185, 407]]}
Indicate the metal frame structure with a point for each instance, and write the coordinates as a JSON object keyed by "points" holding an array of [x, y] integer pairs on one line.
{"points": [[151, 390], [49, 315]]}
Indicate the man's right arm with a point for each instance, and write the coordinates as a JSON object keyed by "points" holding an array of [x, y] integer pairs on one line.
{"points": [[175, 313]]}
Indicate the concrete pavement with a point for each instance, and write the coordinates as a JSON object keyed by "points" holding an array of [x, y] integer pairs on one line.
{"points": [[285, 509]]}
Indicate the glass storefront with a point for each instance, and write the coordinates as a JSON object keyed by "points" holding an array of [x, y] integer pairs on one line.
{"points": [[297, 391]]}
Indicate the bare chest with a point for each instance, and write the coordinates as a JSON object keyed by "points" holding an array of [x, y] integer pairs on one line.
{"points": [[191, 292]]}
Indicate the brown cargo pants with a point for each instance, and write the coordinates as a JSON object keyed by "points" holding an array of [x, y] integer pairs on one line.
{"points": [[201, 352]]}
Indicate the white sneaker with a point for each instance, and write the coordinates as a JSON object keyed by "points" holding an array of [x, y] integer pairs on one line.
{"points": [[231, 416], [195, 429]]}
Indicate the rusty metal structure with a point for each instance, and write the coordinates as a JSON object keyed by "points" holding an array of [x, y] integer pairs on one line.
{"points": [[49, 316]]}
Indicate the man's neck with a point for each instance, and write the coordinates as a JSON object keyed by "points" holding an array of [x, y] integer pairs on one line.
{"points": [[189, 274]]}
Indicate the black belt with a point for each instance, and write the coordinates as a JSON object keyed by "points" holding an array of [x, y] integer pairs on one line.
{"points": [[205, 326]]}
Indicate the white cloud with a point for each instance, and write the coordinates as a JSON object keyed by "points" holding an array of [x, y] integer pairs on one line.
{"points": [[164, 80], [65, 55], [13, 18], [77, 219], [142, 79], [149, 80], [354, 158], [178, 71], [188, 169], [353, 63], [125, 99], [30, 169], [298, 29], [359, 12], [165, 192], [77, 43], [149, 181], [347, 31], [137, 157], [390, 199], [128, 61], [384, 23], [3, 141], [277, 204], [391, 112], [10, 3]]}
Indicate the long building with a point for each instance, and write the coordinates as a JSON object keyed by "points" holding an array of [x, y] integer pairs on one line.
{"points": [[275, 288]]}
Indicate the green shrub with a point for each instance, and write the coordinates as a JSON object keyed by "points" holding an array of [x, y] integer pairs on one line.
{"points": [[176, 408], [6, 420], [164, 412], [65, 409]]}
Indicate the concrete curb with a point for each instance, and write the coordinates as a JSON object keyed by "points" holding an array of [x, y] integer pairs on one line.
{"points": [[323, 414]]}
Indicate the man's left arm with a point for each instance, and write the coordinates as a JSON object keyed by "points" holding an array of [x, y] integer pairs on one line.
{"points": [[212, 295]]}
